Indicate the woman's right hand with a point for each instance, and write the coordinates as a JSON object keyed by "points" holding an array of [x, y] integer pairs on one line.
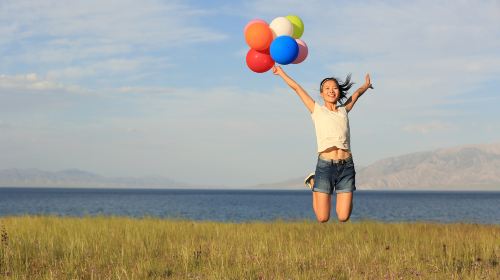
{"points": [[277, 70]]}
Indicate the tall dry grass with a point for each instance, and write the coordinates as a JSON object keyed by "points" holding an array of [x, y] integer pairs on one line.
{"points": [[149, 248]]}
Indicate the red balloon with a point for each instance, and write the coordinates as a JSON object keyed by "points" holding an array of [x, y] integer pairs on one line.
{"points": [[259, 61]]}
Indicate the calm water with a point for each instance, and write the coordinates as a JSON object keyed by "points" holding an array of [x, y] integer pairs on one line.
{"points": [[247, 205]]}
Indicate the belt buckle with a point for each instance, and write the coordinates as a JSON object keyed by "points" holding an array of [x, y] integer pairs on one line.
{"points": [[342, 161]]}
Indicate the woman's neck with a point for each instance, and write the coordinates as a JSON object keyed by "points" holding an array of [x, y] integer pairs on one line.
{"points": [[331, 106]]}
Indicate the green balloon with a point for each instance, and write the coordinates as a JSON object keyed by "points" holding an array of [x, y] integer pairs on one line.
{"points": [[298, 26]]}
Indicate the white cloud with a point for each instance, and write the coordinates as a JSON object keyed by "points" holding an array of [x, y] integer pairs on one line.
{"points": [[76, 40], [32, 82], [110, 68], [142, 23], [154, 130], [429, 127]]}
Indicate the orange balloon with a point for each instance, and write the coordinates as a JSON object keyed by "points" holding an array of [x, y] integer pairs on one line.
{"points": [[259, 36]]}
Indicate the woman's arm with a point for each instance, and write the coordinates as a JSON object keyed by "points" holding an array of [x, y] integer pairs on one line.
{"points": [[352, 100], [308, 101]]}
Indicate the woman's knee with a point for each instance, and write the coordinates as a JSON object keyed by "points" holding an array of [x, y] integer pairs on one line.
{"points": [[342, 217], [323, 218], [321, 204], [344, 206]]}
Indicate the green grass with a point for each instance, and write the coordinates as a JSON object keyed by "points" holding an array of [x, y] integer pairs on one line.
{"points": [[148, 248]]}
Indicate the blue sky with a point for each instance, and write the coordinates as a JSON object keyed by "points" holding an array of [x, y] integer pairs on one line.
{"points": [[136, 88]]}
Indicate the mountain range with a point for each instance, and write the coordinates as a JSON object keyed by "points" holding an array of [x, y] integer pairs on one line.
{"points": [[15, 177], [472, 167]]}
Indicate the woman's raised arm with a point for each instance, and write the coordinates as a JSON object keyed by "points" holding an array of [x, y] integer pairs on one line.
{"points": [[304, 96]]}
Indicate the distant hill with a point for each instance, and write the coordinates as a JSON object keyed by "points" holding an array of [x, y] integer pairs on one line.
{"points": [[466, 167], [472, 167], [78, 178], [459, 168]]}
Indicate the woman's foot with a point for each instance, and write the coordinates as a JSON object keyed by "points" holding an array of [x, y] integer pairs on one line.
{"points": [[309, 180]]}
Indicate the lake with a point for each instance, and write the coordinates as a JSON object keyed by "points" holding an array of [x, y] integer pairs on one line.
{"points": [[249, 205]]}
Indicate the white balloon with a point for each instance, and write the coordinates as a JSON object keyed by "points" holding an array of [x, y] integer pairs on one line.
{"points": [[281, 26]]}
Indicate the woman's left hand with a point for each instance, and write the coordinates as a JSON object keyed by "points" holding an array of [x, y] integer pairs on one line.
{"points": [[368, 83]]}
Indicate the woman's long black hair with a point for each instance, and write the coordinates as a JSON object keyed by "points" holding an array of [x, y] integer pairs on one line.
{"points": [[344, 86]]}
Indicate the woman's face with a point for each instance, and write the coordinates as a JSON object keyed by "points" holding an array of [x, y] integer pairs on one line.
{"points": [[330, 92]]}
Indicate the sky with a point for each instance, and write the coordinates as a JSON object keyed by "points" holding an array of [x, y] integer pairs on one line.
{"points": [[141, 88]]}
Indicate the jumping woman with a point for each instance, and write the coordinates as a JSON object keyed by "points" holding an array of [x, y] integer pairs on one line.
{"points": [[335, 166]]}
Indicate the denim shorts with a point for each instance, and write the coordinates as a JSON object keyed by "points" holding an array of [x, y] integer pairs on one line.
{"points": [[335, 175]]}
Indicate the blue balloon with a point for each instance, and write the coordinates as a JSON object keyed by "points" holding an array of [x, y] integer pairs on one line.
{"points": [[284, 49]]}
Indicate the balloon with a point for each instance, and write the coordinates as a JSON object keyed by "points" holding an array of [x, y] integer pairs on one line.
{"points": [[303, 51], [298, 26], [258, 36], [259, 61], [284, 49], [281, 26], [253, 21]]}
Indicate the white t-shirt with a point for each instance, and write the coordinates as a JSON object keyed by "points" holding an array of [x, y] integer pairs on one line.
{"points": [[332, 128]]}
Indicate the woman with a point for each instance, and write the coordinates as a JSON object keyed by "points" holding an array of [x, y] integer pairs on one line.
{"points": [[335, 167]]}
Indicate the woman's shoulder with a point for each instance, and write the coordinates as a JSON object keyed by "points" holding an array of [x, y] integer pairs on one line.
{"points": [[342, 108], [316, 107]]}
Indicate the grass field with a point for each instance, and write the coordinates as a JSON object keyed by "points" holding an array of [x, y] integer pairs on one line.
{"points": [[148, 248]]}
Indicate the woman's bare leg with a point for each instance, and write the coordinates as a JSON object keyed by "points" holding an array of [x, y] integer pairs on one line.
{"points": [[321, 204], [344, 206]]}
